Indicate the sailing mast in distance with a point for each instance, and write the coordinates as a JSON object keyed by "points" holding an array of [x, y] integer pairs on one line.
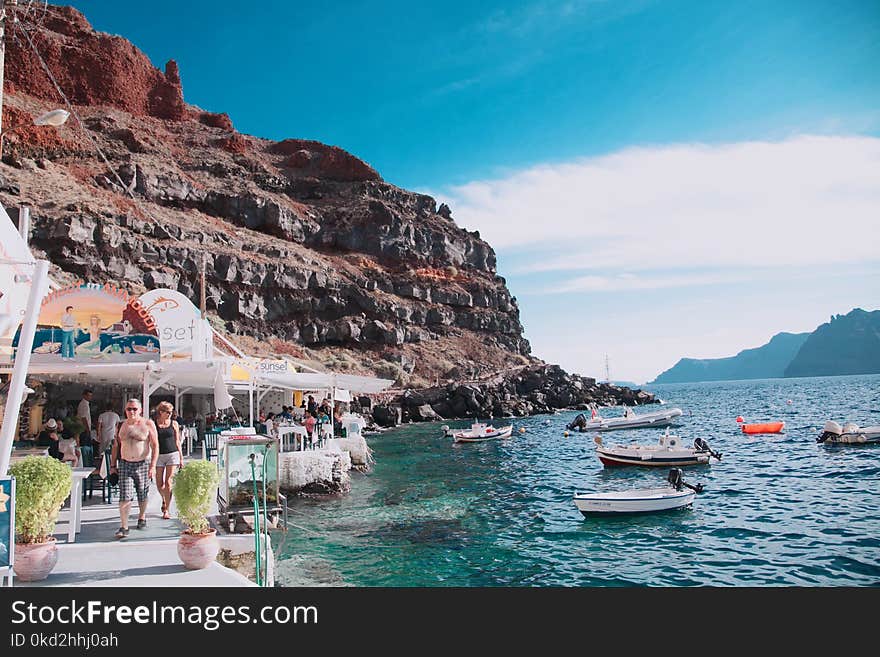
{"points": [[607, 370]]}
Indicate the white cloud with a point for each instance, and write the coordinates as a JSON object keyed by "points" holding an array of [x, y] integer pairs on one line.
{"points": [[805, 201], [622, 282]]}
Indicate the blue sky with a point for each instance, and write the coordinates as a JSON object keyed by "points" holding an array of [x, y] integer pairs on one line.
{"points": [[619, 155]]}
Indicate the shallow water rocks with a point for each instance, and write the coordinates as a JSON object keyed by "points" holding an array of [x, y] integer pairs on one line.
{"points": [[528, 391], [315, 472]]}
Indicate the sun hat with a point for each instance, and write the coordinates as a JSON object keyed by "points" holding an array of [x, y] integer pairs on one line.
{"points": [[51, 424]]}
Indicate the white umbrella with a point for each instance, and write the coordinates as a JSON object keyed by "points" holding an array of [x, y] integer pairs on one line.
{"points": [[222, 398]]}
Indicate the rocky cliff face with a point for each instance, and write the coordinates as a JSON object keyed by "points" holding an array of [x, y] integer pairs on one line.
{"points": [[307, 250]]}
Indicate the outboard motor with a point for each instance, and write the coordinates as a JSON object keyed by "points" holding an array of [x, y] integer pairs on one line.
{"points": [[702, 446], [677, 482], [579, 423], [831, 431]]}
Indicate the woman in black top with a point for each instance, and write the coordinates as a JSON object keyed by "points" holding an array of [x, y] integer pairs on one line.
{"points": [[170, 454]]}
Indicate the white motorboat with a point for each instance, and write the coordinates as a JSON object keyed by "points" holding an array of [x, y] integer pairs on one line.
{"points": [[668, 451], [675, 495], [629, 420], [481, 431], [848, 434]]}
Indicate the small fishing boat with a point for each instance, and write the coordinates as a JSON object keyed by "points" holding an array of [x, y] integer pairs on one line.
{"points": [[668, 451], [481, 431], [848, 434], [675, 495], [629, 420], [48, 348], [763, 427], [149, 348]]}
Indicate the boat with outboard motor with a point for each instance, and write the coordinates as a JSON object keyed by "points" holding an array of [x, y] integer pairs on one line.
{"points": [[848, 434], [675, 495], [629, 420], [668, 451], [479, 432]]}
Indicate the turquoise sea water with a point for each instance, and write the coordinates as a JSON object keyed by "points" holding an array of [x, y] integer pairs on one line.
{"points": [[778, 510]]}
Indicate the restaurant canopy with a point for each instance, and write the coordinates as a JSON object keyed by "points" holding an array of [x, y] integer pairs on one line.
{"points": [[199, 377], [327, 381]]}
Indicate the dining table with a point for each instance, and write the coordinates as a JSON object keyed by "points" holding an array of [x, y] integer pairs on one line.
{"points": [[299, 436], [76, 502], [23, 452]]}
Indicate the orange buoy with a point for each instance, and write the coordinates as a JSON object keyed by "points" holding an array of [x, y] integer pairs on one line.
{"points": [[766, 427], [739, 418]]}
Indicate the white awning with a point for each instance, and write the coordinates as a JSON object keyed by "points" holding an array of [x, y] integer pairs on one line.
{"points": [[326, 381], [199, 376], [16, 270]]}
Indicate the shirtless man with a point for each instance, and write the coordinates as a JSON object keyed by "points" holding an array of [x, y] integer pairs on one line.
{"points": [[134, 456]]}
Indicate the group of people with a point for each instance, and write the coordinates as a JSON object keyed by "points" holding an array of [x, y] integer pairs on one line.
{"points": [[80, 440], [141, 450], [145, 450], [314, 417]]}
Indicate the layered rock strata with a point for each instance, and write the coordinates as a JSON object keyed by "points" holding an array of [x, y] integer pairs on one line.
{"points": [[307, 251]]}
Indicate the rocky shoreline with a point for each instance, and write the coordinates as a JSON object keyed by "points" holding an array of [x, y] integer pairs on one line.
{"points": [[529, 390]]}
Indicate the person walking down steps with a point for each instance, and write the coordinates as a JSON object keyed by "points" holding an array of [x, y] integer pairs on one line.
{"points": [[170, 454], [134, 457]]}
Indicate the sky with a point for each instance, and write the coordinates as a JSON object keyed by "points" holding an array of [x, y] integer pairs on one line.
{"points": [[659, 179]]}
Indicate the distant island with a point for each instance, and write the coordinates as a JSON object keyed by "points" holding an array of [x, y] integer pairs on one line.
{"points": [[847, 344]]}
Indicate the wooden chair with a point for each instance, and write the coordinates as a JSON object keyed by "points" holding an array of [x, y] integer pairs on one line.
{"points": [[209, 446], [107, 489]]}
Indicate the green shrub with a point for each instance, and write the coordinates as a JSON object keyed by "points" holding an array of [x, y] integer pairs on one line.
{"points": [[195, 485], [391, 371], [42, 483], [75, 425]]}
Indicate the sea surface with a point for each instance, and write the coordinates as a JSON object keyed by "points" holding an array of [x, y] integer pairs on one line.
{"points": [[777, 510]]}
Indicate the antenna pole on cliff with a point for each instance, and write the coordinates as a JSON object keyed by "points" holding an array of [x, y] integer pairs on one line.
{"points": [[202, 283]]}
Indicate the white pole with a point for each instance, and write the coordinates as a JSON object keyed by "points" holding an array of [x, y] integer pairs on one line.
{"points": [[145, 404], [24, 222], [332, 408], [39, 285], [251, 400]]}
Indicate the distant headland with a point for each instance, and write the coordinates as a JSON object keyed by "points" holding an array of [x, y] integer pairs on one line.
{"points": [[846, 344]]}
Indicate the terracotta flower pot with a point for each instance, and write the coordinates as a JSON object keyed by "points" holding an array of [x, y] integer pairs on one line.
{"points": [[197, 551], [34, 561]]}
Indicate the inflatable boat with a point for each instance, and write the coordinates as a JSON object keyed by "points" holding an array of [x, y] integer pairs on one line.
{"points": [[765, 427], [630, 420], [848, 434]]}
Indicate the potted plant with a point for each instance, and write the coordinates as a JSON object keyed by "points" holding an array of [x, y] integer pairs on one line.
{"points": [[195, 486], [42, 483]]}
